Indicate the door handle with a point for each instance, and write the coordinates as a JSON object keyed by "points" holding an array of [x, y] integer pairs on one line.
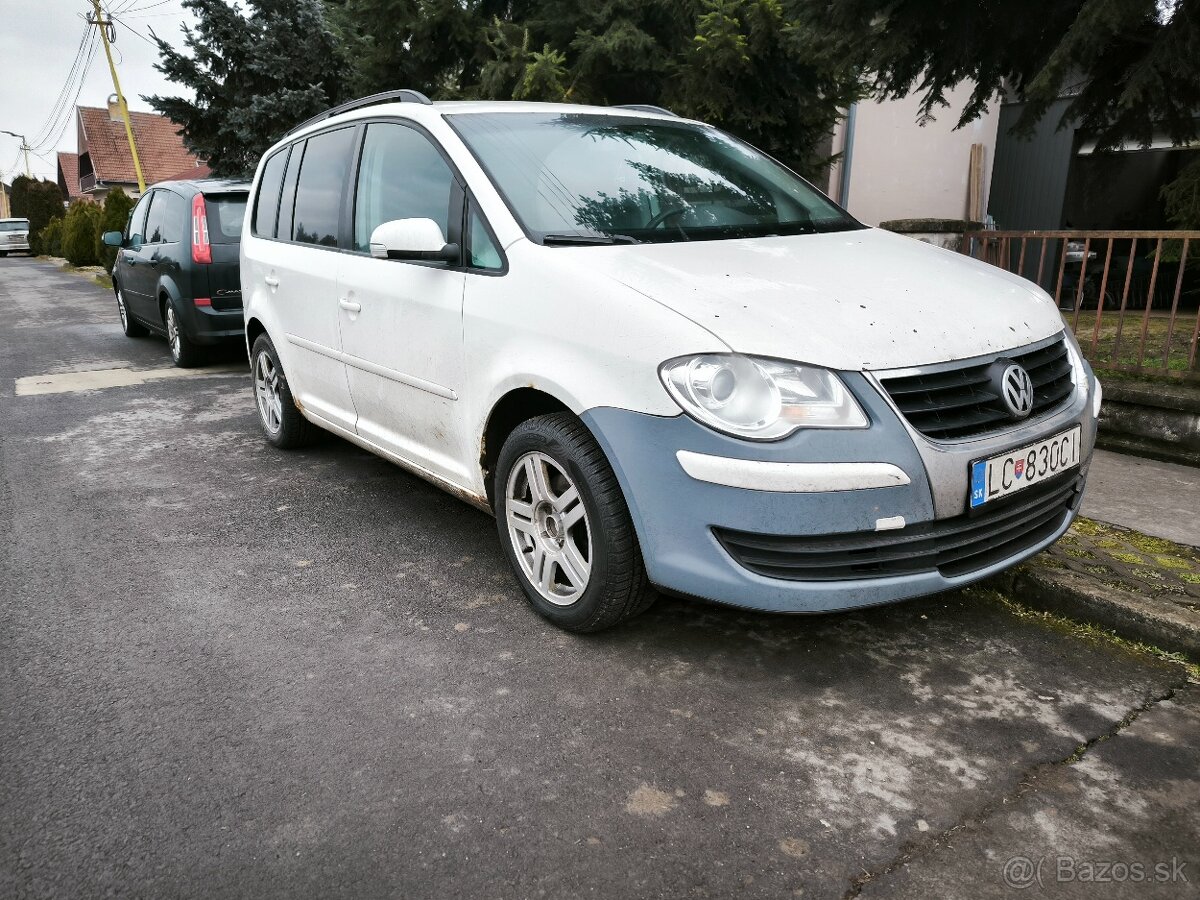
{"points": [[271, 280], [154, 261], [349, 305]]}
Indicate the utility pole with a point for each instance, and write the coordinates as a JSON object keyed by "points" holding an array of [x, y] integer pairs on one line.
{"points": [[24, 148], [104, 31]]}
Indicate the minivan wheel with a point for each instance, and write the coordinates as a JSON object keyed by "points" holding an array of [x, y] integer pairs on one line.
{"points": [[282, 423], [183, 351], [128, 325], [565, 527]]}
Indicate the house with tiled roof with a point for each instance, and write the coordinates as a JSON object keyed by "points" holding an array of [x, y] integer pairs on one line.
{"points": [[68, 176], [103, 160]]}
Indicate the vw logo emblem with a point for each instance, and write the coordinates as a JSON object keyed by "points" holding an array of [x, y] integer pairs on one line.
{"points": [[1017, 391]]}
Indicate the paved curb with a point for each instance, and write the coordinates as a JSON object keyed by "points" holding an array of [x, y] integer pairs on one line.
{"points": [[1143, 588]]}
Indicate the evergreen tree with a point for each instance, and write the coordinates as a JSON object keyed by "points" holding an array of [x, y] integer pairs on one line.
{"points": [[254, 76], [750, 66], [117, 206], [1131, 68], [37, 200]]}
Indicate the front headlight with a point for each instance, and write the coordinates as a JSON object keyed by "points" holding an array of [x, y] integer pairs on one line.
{"points": [[759, 399]]}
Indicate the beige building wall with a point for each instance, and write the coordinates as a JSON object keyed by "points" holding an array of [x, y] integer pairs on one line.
{"points": [[902, 170]]}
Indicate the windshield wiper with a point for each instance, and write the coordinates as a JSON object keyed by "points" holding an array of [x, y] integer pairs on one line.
{"points": [[586, 239]]}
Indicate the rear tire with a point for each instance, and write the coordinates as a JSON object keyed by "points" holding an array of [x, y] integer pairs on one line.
{"points": [[128, 324], [282, 422], [186, 354], [565, 528]]}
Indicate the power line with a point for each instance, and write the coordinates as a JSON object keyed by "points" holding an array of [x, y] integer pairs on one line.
{"points": [[69, 109], [52, 118], [136, 33]]}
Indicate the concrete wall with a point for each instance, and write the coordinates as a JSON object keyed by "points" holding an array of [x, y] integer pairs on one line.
{"points": [[902, 170]]}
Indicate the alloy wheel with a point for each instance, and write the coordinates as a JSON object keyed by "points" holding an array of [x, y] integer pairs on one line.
{"points": [[549, 529], [173, 332], [122, 311], [267, 390]]}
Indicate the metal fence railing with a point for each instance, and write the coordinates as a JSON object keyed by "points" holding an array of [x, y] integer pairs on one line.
{"points": [[1131, 297]]}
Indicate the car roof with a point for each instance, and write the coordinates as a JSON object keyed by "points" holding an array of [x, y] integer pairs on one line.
{"points": [[419, 110], [207, 185], [16, 219]]}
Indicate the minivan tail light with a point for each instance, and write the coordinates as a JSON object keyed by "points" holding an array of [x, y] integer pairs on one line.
{"points": [[203, 301], [201, 248]]}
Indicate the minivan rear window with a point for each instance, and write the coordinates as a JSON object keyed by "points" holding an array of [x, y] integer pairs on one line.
{"points": [[267, 204], [226, 212], [19, 225]]}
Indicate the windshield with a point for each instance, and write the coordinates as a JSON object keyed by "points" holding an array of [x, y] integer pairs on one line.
{"points": [[593, 178], [19, 225], [225, 215]]}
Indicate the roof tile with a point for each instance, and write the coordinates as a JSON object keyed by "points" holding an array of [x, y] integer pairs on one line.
{"points": [[160, 147]]}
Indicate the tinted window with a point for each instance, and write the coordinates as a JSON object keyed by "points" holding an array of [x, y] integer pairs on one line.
{"points": [[484, 254], [164, 224], [153, 233], [287, 202], [19, 225], [267, 204], [226, 212], [578, 175], [137, 219], [402, 176], [176, 214], [319, 191]]}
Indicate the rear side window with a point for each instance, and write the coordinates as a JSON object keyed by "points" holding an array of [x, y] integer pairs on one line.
{"points": [[319, 190], [287, 201], [402, 176], [226, 212], [164, 224], [267, 203]]}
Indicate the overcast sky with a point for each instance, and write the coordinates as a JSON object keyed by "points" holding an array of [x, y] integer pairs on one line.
{"points": [[38, 44]]}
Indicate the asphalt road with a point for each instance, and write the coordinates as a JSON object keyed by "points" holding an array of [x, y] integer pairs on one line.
{"points": [[230, 671]]}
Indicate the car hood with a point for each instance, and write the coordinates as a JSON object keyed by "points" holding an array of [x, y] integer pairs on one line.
{"points": [[852, 300]]}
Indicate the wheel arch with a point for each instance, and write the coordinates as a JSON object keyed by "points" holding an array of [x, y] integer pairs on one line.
{"points": [[510, 410], [254, 327]]}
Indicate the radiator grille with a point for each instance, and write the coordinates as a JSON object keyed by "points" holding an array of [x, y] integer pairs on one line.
{"points": [[961, 402]]}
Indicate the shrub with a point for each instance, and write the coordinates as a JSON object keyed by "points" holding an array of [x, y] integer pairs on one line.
{"points": [[37, 200], [79, 233], [49, 242], [117, 205]]}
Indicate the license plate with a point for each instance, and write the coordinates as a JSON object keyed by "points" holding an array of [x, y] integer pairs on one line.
{"points": [[1003, 475]]}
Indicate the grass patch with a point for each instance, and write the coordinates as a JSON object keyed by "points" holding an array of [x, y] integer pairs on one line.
{"points": [[1088, 632], [1107, 351]]}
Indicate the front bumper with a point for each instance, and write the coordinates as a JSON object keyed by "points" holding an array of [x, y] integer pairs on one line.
{"points": [[684, 521]]}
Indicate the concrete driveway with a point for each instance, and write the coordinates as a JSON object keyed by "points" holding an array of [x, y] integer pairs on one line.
{"points": [[230, 671]]}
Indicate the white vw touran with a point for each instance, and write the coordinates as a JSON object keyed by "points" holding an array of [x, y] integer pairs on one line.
{"points": [[659, 357]]}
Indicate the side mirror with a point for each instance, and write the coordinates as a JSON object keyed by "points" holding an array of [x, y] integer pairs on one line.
{"points": [[113, 238], [414, 239]]}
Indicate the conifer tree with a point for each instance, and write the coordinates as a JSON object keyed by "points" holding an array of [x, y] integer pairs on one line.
{"points": [[254, 74]]}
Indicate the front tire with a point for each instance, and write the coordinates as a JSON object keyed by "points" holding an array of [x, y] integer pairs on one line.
{"points": [[128, 324], [565, 527], [282, 422]]}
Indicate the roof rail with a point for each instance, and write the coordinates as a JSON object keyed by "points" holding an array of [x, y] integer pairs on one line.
{"points": [[646, 107], [401, 96]]}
